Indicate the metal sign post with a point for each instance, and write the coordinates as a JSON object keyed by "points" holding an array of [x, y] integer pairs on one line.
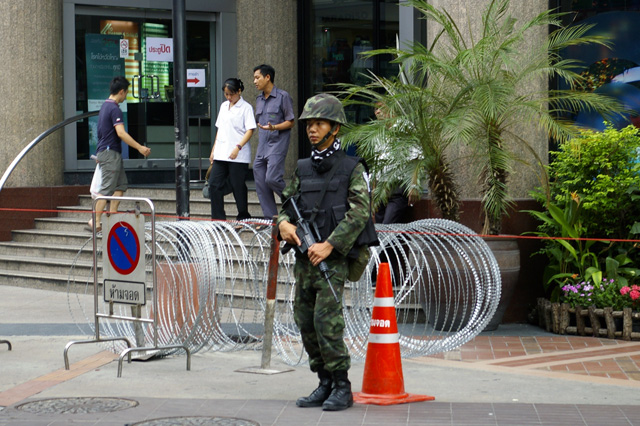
{"points": [[124, 276], [272, 284]]}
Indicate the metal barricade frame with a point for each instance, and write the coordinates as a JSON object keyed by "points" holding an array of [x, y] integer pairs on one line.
{"points": [[136, 319]]}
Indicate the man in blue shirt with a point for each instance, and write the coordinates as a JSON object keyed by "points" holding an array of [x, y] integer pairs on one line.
{"points": [[111, 134], [274, 116]]}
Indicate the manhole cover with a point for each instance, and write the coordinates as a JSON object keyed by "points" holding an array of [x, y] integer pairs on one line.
{"points": [[197, 421], [77, 405]]}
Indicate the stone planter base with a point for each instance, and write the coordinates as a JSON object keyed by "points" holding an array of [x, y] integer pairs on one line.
{"points": [[562, 319]]}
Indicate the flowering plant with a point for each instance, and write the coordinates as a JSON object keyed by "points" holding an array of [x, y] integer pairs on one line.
{"points": [[601, 294], [607, 293], [631, 296], [578, 294]]}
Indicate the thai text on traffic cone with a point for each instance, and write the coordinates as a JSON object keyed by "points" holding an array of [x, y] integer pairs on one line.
{"points": [[383, 382]]}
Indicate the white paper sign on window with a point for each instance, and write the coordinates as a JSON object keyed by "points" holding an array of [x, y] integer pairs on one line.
{"points": [[196, 78], [159, 49]]}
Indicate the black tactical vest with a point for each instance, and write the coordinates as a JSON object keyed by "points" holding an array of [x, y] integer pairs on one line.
{"points": [[334, 204]]}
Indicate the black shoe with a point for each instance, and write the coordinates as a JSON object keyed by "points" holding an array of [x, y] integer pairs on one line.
{"points": [[341, 397], [320, 394]]}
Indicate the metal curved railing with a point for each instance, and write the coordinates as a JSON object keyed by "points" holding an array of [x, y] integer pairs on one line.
{"points": [[37, 140]]}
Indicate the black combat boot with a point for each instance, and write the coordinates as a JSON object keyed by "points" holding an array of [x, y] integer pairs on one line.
{"points": [[341, 397], [322, 392]]}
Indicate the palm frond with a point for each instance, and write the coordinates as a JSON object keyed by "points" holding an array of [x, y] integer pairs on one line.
{"points": [[472, 91]]}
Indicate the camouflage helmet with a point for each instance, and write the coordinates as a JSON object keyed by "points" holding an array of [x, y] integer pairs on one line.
{"points": [[324, 106]]}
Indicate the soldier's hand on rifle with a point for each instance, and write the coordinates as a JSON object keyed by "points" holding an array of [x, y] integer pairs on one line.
{"points": [[319, 252], [288, 232]]}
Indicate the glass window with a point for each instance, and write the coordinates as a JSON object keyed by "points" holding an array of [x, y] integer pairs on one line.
{"points": [[614, 71], [149, 109], [340, 33], [335, 34]]}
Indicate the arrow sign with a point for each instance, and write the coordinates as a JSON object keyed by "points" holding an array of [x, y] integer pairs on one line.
{"points": [[196, 77]]}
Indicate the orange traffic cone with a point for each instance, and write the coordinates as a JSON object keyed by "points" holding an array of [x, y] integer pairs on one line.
{"points": [[383, 382]]}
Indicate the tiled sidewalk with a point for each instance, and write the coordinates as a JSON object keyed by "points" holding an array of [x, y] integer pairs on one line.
{"points": [[615, 359], [593, 360]]}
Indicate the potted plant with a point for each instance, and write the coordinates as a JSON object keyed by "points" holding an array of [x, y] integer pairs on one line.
{"points": [[407, 145], [478, 89]]}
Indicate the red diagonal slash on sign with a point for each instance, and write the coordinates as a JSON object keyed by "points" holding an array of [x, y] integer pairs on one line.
{"points": [[123, 248]]}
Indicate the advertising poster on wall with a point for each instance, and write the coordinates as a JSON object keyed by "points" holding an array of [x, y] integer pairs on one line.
{"points": [[129, 31], [103, 63]]}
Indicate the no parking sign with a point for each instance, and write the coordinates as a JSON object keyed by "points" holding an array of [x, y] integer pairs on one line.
{"points": [[123, 259]]}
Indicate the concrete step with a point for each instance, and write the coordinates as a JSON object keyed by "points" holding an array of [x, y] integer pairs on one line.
{"points": [[43, 257], [195, 192], [50, 251], [50, 237], [83, 213], [168, 207], [165, 200], [64, 237], [70, 224], [164, 209], [47, 266], [34, 280], [236, 298]]}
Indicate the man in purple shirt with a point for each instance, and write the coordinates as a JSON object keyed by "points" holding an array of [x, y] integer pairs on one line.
{"points": [[111, 134], [274, 116]]}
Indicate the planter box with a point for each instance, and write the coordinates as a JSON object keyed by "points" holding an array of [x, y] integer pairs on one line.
{"points": [[561, 319]]}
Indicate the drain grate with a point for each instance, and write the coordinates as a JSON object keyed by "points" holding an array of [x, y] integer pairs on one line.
{"points": [[197, 421], [77, 405]]}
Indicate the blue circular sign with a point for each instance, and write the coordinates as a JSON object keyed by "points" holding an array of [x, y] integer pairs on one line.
{"points": [[123, 248]]}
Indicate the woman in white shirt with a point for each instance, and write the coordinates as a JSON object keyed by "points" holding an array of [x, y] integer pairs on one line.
{"points": [[231, 152]]}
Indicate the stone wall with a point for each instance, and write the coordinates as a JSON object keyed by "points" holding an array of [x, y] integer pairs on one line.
{"points": [[523, 179], [267, 33], [31, 89]]}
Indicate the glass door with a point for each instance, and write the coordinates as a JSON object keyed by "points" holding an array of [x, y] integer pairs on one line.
{"points": [[113, 42]]}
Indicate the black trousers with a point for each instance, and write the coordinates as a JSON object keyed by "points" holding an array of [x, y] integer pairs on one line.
{"points": [[395, 210], [234, 173]]}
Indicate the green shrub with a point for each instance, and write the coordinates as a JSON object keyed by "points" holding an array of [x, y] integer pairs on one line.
{"points": [[593, 200], [603, 169], [604, 293]]}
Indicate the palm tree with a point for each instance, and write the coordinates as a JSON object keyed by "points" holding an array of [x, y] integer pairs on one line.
{"points": [[407, 146], [478, 88]]}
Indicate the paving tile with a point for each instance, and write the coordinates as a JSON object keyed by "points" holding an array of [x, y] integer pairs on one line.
{"points": [[562, 368], [613, 363], [619, 376], [576, 367]]}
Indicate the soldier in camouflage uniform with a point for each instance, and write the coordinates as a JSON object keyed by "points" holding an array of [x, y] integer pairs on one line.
{"points": [[344, 213]]}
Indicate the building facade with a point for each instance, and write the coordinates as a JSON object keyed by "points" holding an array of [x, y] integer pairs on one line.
{"points": [[59, 56]]}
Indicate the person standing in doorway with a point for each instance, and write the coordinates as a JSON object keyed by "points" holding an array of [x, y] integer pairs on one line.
{"points": [[401, 199], [111, 134], [231, 152], [274, 114]]}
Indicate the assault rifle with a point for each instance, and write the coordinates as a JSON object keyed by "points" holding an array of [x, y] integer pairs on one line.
{"points": [[308, 235]]}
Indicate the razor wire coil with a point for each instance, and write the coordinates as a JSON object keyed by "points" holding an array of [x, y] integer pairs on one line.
{"points": [[212, 276]]}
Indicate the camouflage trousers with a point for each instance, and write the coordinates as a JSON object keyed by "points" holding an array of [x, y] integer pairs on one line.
{"points": [[318, 315]]}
